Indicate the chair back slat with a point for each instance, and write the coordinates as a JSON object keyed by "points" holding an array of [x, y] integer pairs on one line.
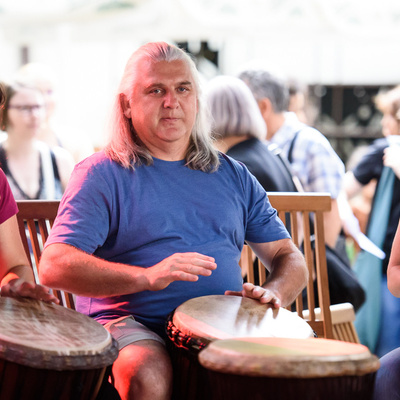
{"points": [[304, 213], [35, 219]]}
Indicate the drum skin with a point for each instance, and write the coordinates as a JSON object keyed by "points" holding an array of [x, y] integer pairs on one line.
{"points": [[202, 320], [280, 368], [51, 352]]}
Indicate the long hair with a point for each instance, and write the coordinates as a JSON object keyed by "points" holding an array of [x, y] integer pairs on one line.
{"points": [[126, 148], [234, 109]]}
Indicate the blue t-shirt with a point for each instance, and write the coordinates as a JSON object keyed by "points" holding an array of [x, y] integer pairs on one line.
{"points": [[141, 217]]}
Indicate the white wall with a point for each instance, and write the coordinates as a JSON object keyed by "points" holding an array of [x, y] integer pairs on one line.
{"points": [[88, 52]]}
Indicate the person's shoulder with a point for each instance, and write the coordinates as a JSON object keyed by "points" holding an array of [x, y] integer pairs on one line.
{"points": [[227, 161], [3, 177], [375, 150], [98, 170], [380, 143], [98, 160], [236, 170]]}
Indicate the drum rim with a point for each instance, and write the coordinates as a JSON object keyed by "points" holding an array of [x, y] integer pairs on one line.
{"points": [[180, 339], [59, 362], [21, 352], [285, 366]]}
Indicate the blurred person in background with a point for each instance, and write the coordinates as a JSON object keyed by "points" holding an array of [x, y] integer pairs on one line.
{"points": [[52, 132], [378, 321], [297, 99], [240, 132], [33, 170], [16, 275], [360, 205], [387, 385], [309, 152]]}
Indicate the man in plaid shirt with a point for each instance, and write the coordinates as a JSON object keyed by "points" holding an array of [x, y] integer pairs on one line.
{"points": [[312, 158]]}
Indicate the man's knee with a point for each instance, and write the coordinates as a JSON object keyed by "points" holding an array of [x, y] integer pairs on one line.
{"points": [[143, 369]]}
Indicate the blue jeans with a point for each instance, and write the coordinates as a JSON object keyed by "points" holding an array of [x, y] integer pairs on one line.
{"points": [[389, 335], [387, 383]]}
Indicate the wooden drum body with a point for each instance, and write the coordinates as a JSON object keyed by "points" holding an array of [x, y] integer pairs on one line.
{"points": [[202, 320], [51, 352], [281, 368]]}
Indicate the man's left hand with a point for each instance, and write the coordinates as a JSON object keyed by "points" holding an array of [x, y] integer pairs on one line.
{"points": [[259, 293]]}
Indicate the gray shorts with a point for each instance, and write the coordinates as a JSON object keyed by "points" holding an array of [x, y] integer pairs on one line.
{"points": [[127, 330]]}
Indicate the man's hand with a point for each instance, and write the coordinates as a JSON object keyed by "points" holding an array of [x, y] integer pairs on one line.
{"points": [[263, 295], [22, 288], [179, 267]]}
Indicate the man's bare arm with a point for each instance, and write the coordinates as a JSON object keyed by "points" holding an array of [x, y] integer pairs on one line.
{"points": [[288, 273], [332, 224], [16, 274], [67, 268], [393, 272]]}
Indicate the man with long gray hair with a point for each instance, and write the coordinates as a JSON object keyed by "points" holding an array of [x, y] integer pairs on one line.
{"points": [[160, 217]]}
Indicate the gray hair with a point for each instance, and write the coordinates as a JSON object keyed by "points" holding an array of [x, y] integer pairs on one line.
{"points": [[264, 84], [126, 148], [233, 107]]}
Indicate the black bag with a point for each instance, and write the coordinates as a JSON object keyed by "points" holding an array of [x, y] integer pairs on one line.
{"points": [[343, 282]]}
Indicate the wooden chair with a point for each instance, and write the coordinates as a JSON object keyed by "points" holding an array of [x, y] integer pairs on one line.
{"points": [[343, 317], [297, 208], [35, 219]]}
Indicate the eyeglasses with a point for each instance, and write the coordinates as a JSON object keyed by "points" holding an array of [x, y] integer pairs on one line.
{"points": [[27, 109]]}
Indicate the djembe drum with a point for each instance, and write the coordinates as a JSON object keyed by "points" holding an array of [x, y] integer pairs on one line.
{"points": [[51, 352], [281, 368], [201, 320]]}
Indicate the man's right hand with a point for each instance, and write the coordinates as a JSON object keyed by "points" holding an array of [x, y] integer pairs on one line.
{"points": [[179, 267]]}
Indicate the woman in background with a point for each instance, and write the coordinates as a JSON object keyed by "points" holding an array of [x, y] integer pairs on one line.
{"points": [[240, 132], [16, 275], [387, 384], [378, 320], [52, 132], [33, 170]]}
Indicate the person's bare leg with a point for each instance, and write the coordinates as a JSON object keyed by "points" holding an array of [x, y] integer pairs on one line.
{"points": [[143, 371]]}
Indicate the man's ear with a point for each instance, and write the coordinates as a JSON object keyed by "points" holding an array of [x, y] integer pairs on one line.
{"points": [[265, 107], [126, 108]]}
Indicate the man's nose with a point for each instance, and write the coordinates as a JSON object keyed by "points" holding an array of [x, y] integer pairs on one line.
{"points": [[170, 100]]}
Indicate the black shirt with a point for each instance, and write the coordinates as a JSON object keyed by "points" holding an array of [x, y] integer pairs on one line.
{"points": [[266, 166]]}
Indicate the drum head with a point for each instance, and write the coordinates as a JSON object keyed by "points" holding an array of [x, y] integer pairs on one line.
{"points": [[38, 334], [288, 358], [222, 317]]}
